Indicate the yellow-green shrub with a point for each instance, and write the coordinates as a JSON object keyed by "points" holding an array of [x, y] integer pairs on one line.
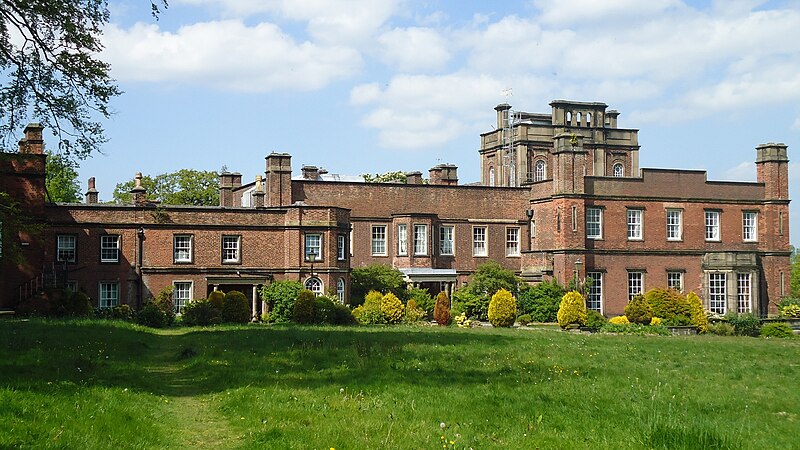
{"points": [[619, 320], [638, 310], [572, 310], [698, 314], [655, 321], [370, 312], [413, 312], [502, 309], [392, 308]]}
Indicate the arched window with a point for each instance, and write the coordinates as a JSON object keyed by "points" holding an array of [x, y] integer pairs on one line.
{"points": [[539, 171], [588, 119], [578, 121], [340, 290], [314, 285], [619, 170], [568, 117], [491, 176]]}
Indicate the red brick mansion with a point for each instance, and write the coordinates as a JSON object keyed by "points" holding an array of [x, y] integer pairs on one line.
{"points": [[561, 195]]}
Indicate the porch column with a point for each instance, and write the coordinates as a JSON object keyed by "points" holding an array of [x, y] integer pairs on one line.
{"points": [[255, 302]]}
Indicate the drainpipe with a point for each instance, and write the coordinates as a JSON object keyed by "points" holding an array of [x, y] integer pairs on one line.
{"points": [[139, 260]]}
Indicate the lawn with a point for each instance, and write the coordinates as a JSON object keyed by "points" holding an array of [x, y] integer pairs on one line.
{"points": [[96, 384]]}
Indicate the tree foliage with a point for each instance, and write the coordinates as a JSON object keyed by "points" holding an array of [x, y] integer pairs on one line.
{"points": [[377, 277], [541, 301], [388, 177], [490, 277], [61, 179], [184, 187]]}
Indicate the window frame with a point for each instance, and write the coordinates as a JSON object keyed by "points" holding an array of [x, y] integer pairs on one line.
{"points": [[591, 223], [340, 289], [102, 300], [539, 170], [671, 274], [312, 282], [73, 250], [717, 299], [423, 249], [231, 238], [378, 244], [450, 239], [615, 173], [307, 237], [512, 246], [189, 250], [636, 225], [402, 239], [341, 247], [674, 226], [180, 303], [484, 241], [744, 292], [713, 233], [115, 249], [753, 227], [632, 275], [594, 293]]}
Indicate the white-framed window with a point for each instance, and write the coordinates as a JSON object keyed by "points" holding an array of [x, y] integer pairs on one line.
{"points": [[65, 247], [635, 283], [749, 226], [479, 241], [512, 241], [340, 290], [181, 294], [420, 239], [618, 170], [712, 225], [402, 239], [313, 247], [182, 248], [491, 176], [717, 292], [594, 297], [539, 171], [675, 280], [744, 293], [109, 248], [231, 249], [446, 240], [314, 285], [109, 294], [634, 224], [341, 250], [594, 223], [674, 224], [533, 224], [379, 240]]}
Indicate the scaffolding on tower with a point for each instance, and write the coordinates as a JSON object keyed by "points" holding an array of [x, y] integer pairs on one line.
{"points": [[509, 149]]}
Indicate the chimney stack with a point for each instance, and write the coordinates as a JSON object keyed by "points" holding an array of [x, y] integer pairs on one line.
{"points": [[91, 193], [258, 192], [227, 183], [138, 192], [444, 174], [310, 173], [414, 177], [32, 144]]}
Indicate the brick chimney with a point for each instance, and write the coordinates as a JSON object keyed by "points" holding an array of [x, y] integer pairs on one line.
{"points": [[310, 173], [772, 169], [32, 144], [258, 192], [414, 177], [279, 179], [139, 193], [227, 183], [91, 193], [444, 174], [569, 159]]}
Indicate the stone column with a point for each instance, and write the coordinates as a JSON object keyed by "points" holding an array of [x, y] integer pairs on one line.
{"points": [[255, 302]]}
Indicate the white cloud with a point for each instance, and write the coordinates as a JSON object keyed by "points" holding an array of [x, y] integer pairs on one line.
{"points": [[414, 49], [796, 124], [575, 11], [227, 55], [744, 171]]}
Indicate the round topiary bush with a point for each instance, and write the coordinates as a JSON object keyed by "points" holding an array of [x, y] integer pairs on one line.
{"points": [[572, 310], [697, 313], [392, 308], [595, 320], [670, 306], [217, 298], [619, 320], [638, 311], [502, 309], [524, 319], [151, 316], [777, 330], [303, 311], [236, 308], [441, 311], [201, 313]]}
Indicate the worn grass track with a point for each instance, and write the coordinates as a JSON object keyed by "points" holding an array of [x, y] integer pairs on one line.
{"points": [[94, 384]]}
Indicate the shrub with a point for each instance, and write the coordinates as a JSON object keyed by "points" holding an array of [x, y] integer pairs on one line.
{"points": [[638, 311], [303, 310], [791, 311], [656, 321], [423, 299], [217, 298], [572, 310], [122, 312], [744, 324], [441, 311], [324, 309], [201, 313], [280, 297], [489, 278], [697, 313], [475, 306], [376, 277], [413, 313], [462, 321], [595, 320], [75, 304], [236, 308], [370, 312], [151, 316], [341, 315], [163, 302], [541, 301], [777, 330], [720, 329], [619, 320], [502, 309], [392, 308], [524, 319], [635, 328], [670, 306]]}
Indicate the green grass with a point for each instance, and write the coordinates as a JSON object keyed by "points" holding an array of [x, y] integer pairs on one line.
{"points": [[94, 384]]}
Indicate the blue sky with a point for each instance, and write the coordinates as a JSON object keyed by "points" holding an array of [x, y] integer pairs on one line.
{"points": [[380, 85]]}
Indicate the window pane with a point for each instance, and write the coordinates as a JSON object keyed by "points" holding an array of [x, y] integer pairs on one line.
{"points": [[420, 239], [230, 248], [340, 290], [634, 224], [402, 239], [313, 247], [109, 248], [479, 241], [379, 240], [314, 285], [512, 241], [109, 294], [634, 283], [594, 223], [183, 248], [675, 280], [749, 226], [340, 248], [674, 227], [745, 304], [181, 295], [446, 240], [717, 293], [594, 298], [712, 225], [66, 248]]}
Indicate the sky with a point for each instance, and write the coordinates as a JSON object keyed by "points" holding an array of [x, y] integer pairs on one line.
{"points": [[382, 85]]}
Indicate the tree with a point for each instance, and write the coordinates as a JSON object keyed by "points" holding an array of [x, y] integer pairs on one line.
{"points": [[184, 187], [61, 179], [490, 277], [388, 177], [794, 282], [378, 277], [50, 67]]}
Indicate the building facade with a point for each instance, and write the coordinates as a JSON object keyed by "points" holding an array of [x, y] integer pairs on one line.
{"points": [[561, 196]]}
